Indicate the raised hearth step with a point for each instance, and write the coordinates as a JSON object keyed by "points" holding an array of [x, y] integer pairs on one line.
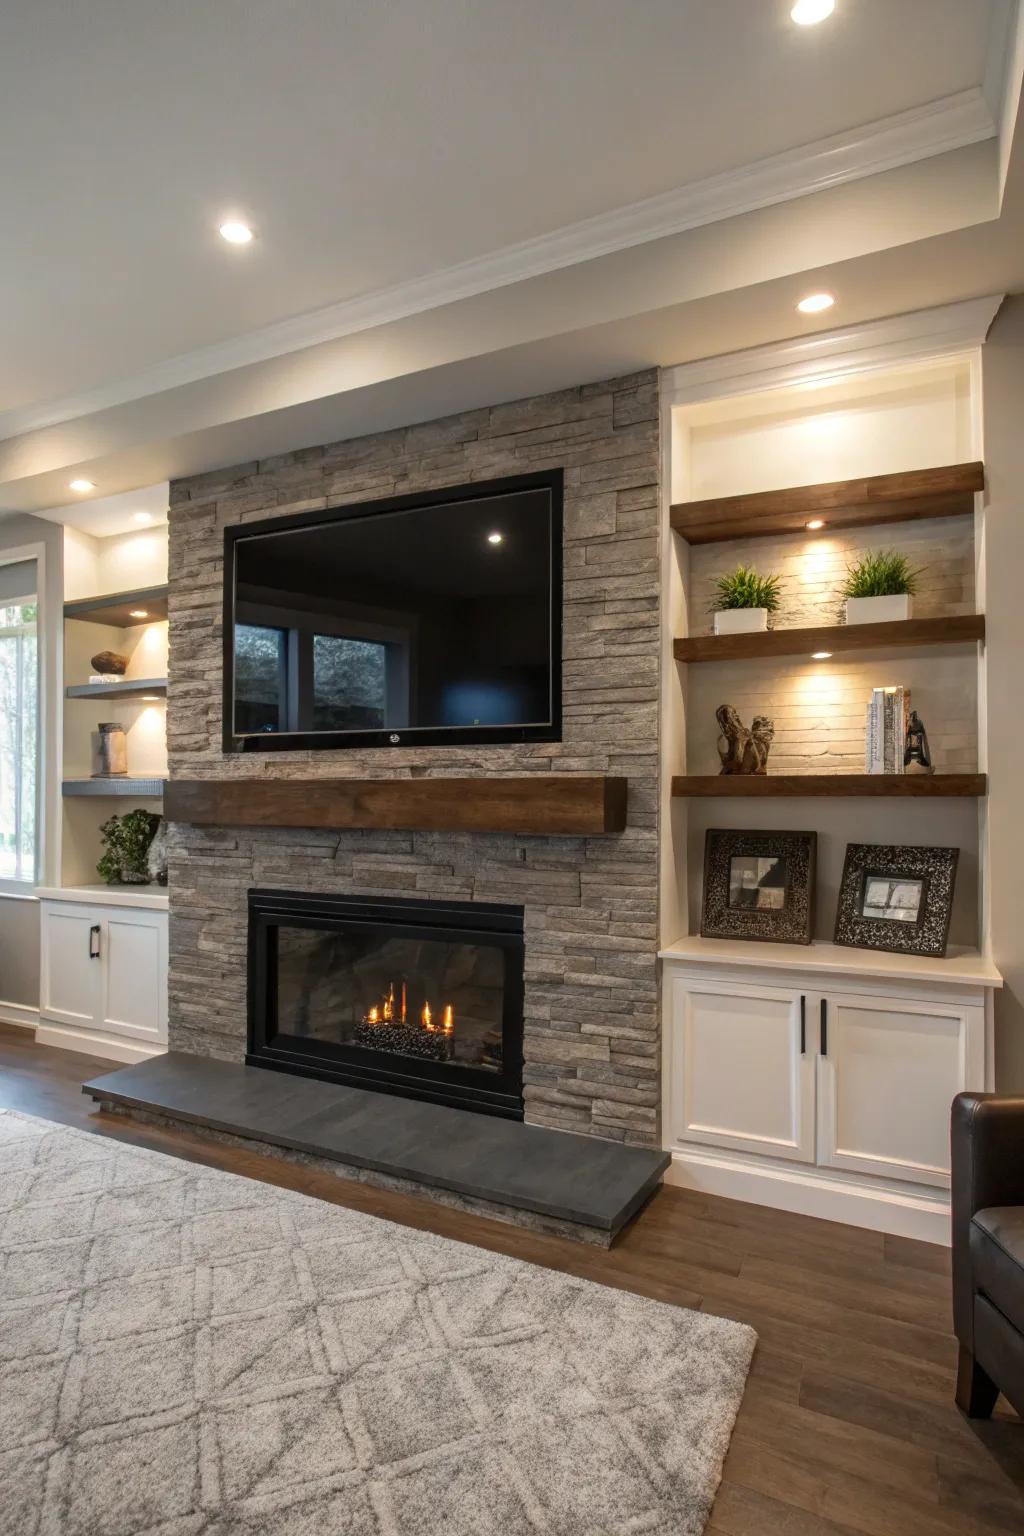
{"points": [[580, 1180]]}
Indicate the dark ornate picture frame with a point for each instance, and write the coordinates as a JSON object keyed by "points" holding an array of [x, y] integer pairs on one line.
{"points": [[931, 875], [788, 923]]}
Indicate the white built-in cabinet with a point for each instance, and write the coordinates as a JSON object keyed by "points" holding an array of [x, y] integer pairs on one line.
{"points": [[822, 1089], [103, 984]]}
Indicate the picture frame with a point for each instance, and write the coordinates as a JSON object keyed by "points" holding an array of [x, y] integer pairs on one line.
{"points": [[898, 899], [759, 885]]}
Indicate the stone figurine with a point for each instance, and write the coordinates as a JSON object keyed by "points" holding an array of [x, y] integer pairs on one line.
{"points": [[742, 750], [111, 751], [917, 757], [109, 663]]}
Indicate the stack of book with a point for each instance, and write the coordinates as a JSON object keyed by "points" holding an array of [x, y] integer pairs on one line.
{"points": [[888, 718]]}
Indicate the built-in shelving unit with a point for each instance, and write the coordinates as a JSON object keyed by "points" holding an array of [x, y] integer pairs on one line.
{"points": [[944, 492], [139, 789], [956, 629], [766, 786], [121, 610], [126, 688]]}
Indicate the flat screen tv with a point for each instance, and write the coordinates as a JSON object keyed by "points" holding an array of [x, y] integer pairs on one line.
{"points": [[421, 619]]}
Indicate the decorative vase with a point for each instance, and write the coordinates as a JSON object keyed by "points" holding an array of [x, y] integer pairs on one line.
{"points": [[740, 621], [112, 751], [879, 610]]}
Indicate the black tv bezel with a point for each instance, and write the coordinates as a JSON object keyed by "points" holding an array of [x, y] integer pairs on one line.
{"points": [[415, 736]]}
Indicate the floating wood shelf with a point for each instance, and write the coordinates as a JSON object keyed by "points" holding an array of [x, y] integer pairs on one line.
{"points": [[545, 804], [831, 637], [139, 789], [945, 492], [124, 688], [764, 786], [118, 608]]}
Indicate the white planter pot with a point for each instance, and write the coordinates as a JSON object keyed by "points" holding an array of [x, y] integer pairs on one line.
{"points": [[740, 621], [879, 610]]}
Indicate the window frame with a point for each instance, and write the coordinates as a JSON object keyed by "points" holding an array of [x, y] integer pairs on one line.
{"points": [[9, 885]]}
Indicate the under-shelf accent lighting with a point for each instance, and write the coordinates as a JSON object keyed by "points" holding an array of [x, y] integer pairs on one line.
{"points": [[814, 524], [814, 303], [142, 517], [235, 232], [807, 13], [81, 486], [150, 698], [495, 538], [821, 655], [138, 613]]}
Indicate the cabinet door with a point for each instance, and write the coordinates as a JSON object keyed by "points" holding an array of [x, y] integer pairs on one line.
{"points": [[740, 1075], [888, 1072], [71, 964], [135, 974]]}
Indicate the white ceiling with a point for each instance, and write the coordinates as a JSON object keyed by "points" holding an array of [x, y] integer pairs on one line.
{"points": [[377, 144]]}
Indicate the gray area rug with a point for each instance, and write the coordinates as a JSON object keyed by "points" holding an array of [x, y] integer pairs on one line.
{"points": [[186, 1351]]}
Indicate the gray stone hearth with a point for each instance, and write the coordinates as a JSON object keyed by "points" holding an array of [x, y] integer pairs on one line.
{"points": [[592, 1052]]}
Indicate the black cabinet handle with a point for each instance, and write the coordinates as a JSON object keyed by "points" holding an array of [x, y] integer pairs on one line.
{"points": [[803, 1026], [824, 1027], [94, 942]]}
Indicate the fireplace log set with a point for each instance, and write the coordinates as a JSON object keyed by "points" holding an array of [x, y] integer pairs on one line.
{"points": [[386, 1026]]}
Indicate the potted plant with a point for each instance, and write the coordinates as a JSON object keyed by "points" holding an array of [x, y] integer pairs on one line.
{"points": [[879, 588], [126, 841], [745, 600]]}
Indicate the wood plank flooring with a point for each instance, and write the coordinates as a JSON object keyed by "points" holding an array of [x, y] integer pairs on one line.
{"points": [[847, 1427]]}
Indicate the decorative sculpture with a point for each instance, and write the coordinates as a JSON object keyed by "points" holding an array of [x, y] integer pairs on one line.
{"points": [[917, 757], [742, 750], [109, 663]]}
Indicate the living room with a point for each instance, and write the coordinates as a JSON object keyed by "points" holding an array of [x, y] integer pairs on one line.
{"points": [[432, 1097]]}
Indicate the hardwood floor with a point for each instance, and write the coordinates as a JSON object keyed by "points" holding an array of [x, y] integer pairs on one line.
{"points": [[848, 1423]]}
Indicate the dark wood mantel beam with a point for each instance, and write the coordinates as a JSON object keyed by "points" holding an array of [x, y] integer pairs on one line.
{"points": [[539, 803]]}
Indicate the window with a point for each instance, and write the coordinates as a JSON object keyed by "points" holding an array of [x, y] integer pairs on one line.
{"points": [[349, 684], [19, 734], [259, 678]]}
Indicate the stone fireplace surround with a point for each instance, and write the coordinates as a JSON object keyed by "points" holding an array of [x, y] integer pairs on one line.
{"points": [[591, 1040]]}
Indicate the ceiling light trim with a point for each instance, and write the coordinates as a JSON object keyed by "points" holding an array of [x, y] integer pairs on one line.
{"points": [[951, 123], [911, 337]]}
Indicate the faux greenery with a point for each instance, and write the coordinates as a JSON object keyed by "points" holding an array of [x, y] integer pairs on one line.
{"points": [[126, 841], [881, 573], [744, 588]]}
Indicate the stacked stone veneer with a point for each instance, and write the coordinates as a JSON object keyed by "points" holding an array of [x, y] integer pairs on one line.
{"points": [[591, 1010]]}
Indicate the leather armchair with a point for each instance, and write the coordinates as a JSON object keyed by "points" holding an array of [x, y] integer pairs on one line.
{"points": [[987, 1135]]}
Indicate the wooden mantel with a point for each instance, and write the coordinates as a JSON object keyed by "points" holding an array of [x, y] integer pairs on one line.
{"points": [[540, 803]]}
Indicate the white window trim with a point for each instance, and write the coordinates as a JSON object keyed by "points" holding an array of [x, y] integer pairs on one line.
{"points": [[47, 730]]}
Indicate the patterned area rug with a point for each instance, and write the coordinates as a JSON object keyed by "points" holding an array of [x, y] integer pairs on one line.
{"points": [[185, 1351]]}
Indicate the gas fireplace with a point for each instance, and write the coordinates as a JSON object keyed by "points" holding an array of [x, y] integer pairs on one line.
{"points": [[418, 998]]}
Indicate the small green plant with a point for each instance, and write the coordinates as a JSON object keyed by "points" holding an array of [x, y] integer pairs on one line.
{"points": [[881, 573], [126, 841], [744, 588]]}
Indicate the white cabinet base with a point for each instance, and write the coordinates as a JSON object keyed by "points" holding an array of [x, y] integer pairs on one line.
{"points": [[856, 1202], [92, 1042]]}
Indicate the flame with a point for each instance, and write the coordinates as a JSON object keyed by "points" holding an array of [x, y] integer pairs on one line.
{"points": [[373, 1017], [426, 1018], [389, 1004], [448, 1021], [402, 1013]]}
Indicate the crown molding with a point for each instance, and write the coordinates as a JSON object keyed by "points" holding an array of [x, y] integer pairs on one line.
{"points": [[912, 337], [951, 123]]}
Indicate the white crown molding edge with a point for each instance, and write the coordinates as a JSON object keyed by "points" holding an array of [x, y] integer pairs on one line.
{"points": [[912, 337], [1004, 77], [950, 123]]}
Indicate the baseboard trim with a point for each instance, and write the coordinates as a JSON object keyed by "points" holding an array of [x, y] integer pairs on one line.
{"points": [[878, 1207], [94, 1042], [19, 1014]]}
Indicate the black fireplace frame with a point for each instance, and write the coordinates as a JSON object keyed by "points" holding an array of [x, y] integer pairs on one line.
{"points": [[499, 1093]]}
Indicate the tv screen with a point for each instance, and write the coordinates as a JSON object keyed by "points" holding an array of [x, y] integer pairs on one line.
{"points": [[420, 619]]}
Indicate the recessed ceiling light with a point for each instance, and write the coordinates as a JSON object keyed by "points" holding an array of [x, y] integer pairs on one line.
{"points": [[495, 538], [150, 698], [820, 655], [81, 486], [138, 613], [815, 303], [807, 13], [815, 523], [235, 232], [142, 517]]}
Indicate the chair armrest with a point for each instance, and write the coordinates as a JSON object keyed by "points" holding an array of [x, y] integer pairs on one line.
{"points": [[987, 1159]]}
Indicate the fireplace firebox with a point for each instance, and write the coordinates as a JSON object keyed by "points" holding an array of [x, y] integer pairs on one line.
{"points": [[418, 998]]}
